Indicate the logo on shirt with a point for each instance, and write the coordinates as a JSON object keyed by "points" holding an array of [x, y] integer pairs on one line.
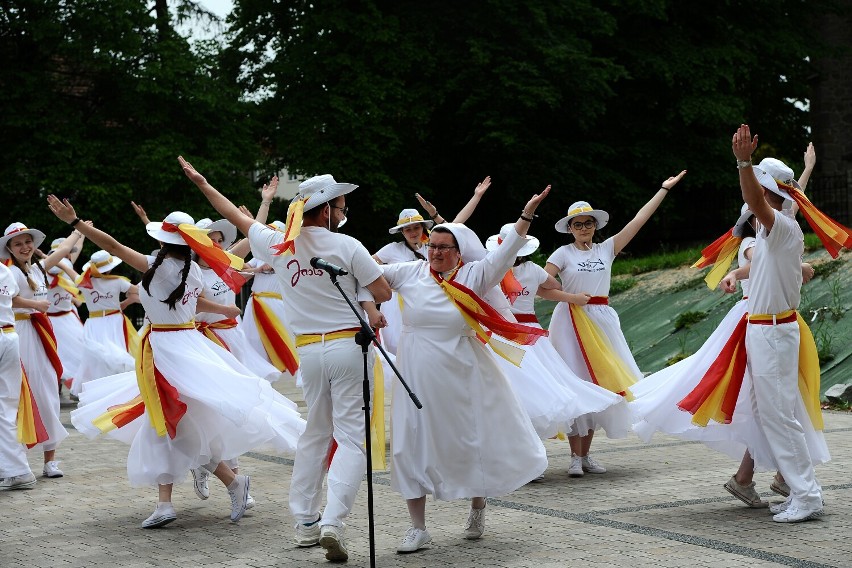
{"points": [[299, 272], [591, 266], [97, 296], [194, 293], [59, 297], [523, 292], [4, 291], [219, 288]]}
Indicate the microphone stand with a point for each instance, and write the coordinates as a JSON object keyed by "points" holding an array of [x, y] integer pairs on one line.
{"points": [[364, 338]]}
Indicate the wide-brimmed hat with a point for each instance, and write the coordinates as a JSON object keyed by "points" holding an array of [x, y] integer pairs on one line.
{"points": [[768, 182], [321, 189], [582, 208], [278, 226], [155, 229], [14, 230], [779, 171], [56, 243], [103, 261], [228, 230], [470, 247], [745, 215], [494, 241], [409, 217]]}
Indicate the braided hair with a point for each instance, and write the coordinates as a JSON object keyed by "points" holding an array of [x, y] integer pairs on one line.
{"points": [[180, 251], [22, 266]]}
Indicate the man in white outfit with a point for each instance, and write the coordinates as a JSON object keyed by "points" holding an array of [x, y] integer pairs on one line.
{"points": [[772, 336], [331, 361]]}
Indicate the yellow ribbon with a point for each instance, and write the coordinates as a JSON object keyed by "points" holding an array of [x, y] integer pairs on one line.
{"points": [[311, 338], [146, 376], [377, 417], [605, 366]]}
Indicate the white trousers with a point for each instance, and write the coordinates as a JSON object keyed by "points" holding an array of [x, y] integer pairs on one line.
{"points": [[773, 361], [332, 381], [13, 456]]}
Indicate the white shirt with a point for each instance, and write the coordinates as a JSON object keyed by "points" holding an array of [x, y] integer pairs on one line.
{"points": [[105, 293], [399, 252], [165, 280], [265, 281], [530, 276], [24, 290], [314, 305], [8, 290], [776, 267], [217, 292], [585, 271], [747, 243]]}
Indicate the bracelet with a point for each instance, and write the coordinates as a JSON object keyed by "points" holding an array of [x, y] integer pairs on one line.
{"points": [[742, 164], [433, 216], [266, 203], [75, 221], [664, 188], [527, 219]]}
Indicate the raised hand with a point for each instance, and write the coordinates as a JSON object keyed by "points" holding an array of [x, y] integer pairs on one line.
{"points": [[430, 209], [482, 186], [810, 157], [743, 144], [672, 181], [140, 212], [246, 211], [267, 193], [191, 173], [61, 208], [534, 201]]}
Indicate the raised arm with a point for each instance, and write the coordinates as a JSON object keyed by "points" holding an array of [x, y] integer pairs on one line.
{"points": [[140, 212], [267, 194], [810, 162], [430, 209], [65, 212], [219, 202], [625, 235], [64, 250], [743, 146], [463, 215]]}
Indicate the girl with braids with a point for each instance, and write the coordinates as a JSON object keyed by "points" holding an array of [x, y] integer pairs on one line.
{"points": [[190, 402], [39, 356]]}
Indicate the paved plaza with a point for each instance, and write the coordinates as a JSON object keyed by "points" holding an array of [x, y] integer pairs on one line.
{"points": [[660, 505]]}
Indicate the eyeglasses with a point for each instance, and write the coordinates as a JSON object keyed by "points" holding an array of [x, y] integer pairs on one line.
{"points": [[441, 248], [590, 224], [344, 209]]}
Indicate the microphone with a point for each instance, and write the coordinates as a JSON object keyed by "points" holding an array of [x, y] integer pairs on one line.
{"points": [[317, 262]]}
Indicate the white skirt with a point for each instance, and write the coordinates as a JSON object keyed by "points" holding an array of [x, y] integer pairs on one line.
{"points": [[43, 383], [248, 326], [657, 396], [239, 347], [229, 411], [392, 310], [104, 352], [69, 342]]}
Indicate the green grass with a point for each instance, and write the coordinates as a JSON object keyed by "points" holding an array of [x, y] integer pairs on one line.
{"points": [[625, 264]]}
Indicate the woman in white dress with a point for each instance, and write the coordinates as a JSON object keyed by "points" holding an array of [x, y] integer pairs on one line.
{"points": [[110, 339], [585, 330], [554, 397], [39, 356], [471, 439], [196, 404]]}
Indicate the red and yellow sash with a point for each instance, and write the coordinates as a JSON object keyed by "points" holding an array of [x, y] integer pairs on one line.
{"points": [[292, 229], [44, 329], [715, 396], [511, 287], [161, 399], [720, 253], [62, 281], [209, 330], [832, 234], [276, 339], [477, 314], [605, 367], [31, 429], [85, 279], [223, 263]]}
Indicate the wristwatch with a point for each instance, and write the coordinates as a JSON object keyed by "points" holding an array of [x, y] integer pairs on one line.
{"points": [[741, 164]]}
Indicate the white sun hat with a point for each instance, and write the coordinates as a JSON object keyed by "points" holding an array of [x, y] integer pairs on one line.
{"points": [[745, 215], [17, 229], [494, 241], [155, 229], [768, 182], [228, 230], [103, 261], [779, 171], [409, 217], [470, 247], [321, 189], [582, 208], [278, 226]]}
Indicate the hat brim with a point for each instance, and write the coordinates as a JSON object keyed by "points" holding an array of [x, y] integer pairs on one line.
{"points": [[327, 193], [394, 230], [530, 246], [228, 230], [768, 182], [740, 224], [105, 268], [601, 216], [155, 229], [38, 238]]}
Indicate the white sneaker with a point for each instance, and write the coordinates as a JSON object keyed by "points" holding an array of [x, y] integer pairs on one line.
{"points": [[414, 540], [793, 514], [331, 539], [162, 515], [475, 525], [51, 469], [199, 482], [591, 466], [307, 535], [26, 481], [780, 507], [239, 497], [576, 467], [249, 502]]}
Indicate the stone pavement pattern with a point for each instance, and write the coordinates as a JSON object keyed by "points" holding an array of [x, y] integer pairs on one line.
{"points": [[660, 505]]}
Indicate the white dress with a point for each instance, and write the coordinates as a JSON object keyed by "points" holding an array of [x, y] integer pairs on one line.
{"points": [[229, 411], [66, 326], [106, 347], [655, 407], [393, 253], [40, 372], [551, 393], [471, 438], [235, 341]]}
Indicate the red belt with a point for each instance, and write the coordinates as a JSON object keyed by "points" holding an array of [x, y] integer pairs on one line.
{"points": [[526, 318], [598, 301]]}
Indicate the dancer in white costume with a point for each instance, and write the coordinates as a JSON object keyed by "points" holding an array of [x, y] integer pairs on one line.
{"points": [[110, 339], [331, 362], [39, 357], [181, 423], [553, 396], [471, 439], [585, 269], [15, 472], [64, 296]]}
